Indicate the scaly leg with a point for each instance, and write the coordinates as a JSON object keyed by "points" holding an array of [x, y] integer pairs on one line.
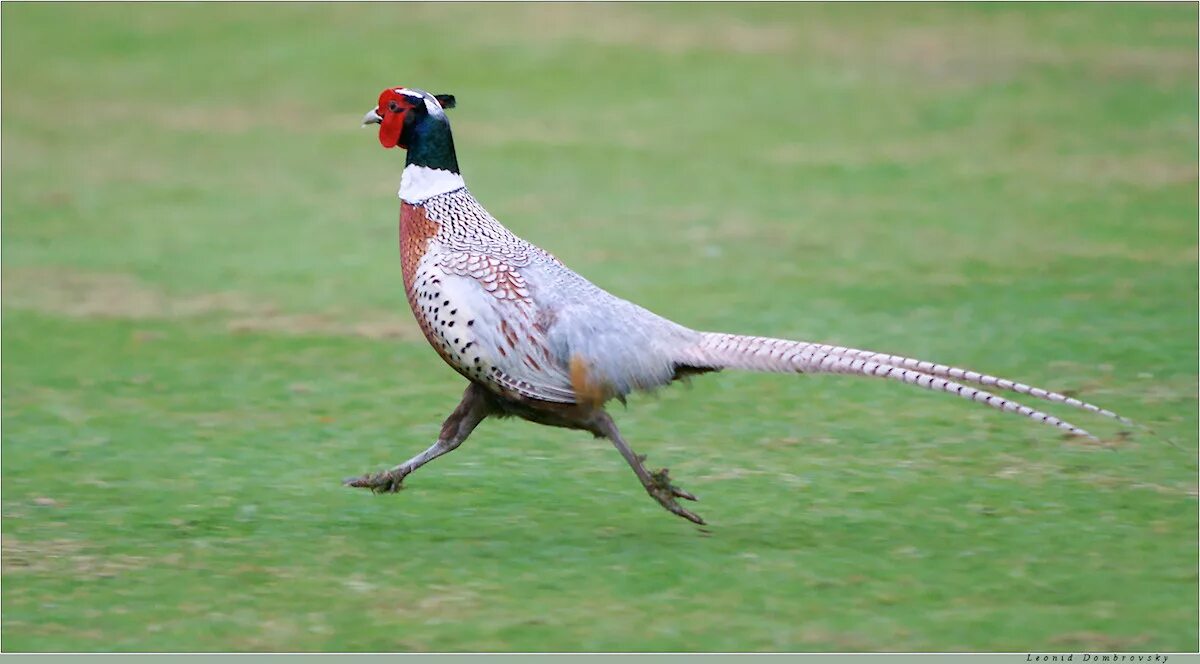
{"points": [[473, 408], [657, 484]]}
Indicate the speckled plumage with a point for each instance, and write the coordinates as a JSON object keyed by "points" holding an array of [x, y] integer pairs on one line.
{"points": [[512, 317], [539, 341]]}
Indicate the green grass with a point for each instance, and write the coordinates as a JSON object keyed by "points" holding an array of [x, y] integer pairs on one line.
{"points": [[204, 329]]}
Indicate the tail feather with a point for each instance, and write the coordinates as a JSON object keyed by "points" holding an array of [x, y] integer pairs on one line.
{"points": [[730, 351], [968, 376]]}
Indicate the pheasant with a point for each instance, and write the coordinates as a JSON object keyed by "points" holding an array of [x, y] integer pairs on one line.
{"points": [[538, 341]]}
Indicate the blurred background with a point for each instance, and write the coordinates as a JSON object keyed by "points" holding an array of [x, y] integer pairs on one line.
{"points": [[204, 328]]}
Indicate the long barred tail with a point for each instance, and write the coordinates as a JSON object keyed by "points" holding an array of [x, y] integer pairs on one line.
{"points": [[731, 351]]}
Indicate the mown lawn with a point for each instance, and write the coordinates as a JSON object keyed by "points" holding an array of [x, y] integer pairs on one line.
{"points": [[204, 329]]}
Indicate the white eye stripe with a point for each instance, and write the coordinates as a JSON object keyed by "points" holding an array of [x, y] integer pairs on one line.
{"points": [[415, 96]]}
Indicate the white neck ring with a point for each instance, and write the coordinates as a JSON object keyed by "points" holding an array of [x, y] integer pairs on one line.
{"points": [[419, 183]]}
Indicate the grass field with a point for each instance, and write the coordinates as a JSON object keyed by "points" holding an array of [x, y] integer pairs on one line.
{"points": [[204, 329]]}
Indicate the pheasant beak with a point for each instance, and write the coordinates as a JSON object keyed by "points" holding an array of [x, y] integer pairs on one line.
{"points": [[372, 117]]}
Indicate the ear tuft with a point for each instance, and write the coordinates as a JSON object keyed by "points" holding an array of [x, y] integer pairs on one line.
{"points": [[447, 101]]}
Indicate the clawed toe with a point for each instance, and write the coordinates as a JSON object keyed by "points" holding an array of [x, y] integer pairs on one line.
{"points": [[680, 493], [674, 508]]}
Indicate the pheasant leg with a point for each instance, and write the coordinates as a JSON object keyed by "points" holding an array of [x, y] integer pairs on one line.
{"points": [[657, 484], [473, 408]]}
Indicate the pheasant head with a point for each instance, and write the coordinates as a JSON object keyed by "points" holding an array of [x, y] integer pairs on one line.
{"points": [[416, 121], [401, 111]]}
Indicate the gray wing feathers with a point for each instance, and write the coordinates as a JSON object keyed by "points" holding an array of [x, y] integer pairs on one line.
{"points": [[623, 346]]}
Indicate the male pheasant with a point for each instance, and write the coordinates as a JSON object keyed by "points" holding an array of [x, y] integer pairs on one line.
{"points": [[538, 341]]}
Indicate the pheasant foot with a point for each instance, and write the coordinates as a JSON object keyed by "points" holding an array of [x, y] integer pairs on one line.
{"points": [[388, 481], [473, 408], [661, 489]]}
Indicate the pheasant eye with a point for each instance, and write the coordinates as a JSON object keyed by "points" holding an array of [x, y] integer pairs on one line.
{"points": [[393, 106]]}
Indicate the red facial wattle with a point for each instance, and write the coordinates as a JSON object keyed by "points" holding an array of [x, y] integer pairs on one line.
{"points": [[392, 108], [390, 129]]}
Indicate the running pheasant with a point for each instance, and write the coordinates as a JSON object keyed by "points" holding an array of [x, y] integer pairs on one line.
{"points": [[538, 341]]}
